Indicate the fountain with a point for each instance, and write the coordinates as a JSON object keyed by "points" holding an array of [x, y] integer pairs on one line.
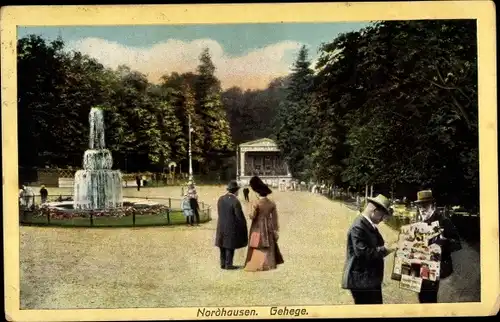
{"points": [[98, 193], [97, 186]]}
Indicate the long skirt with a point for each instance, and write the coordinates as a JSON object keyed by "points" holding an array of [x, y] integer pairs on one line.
{"points": [[264, 258]]}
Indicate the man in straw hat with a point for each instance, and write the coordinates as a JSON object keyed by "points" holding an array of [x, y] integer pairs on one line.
{"points": [[366, 249], [449, 241], [232, 231]]}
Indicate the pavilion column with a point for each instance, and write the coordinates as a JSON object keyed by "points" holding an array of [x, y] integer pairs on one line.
{"points": [[238, 163], [242, 163]]}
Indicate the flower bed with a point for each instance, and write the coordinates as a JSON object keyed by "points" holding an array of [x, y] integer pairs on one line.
{"points": [[57, 213], [139, 215]]}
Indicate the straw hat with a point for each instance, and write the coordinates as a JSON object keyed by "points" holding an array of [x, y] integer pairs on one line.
{"points": [[424, 196], [382, 202]]}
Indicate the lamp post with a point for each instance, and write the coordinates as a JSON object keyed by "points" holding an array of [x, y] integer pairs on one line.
{"points": [[189, 152]]}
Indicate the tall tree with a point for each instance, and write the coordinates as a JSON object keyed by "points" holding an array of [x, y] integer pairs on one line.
{"points": [[56, 90], [179, 87], [252, 113], [142, 142], [217, 135], [296, 116]]}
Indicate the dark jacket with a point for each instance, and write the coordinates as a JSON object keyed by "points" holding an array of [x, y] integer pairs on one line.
{"points": [[232, 231], [364, 265], [449, 245], [44, 193], [193, 202]]}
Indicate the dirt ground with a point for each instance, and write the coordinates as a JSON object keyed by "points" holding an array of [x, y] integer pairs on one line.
{"points": [[68, 268]]}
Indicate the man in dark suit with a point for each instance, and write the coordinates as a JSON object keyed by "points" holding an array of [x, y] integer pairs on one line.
{"points": [[138, 181], [232, 231], [193, 202], [364, 266], [246, 192], [449, 241]]}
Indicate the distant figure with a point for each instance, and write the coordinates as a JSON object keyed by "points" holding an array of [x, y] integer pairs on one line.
{"points": [[193, 201], [43, 194], [138, 181], [282, 186], [22, 201], [186, 210], [407, 202], [246, 191], [27, 197], [232, 231], [263, 251]]}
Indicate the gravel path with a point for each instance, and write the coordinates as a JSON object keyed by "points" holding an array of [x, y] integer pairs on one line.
{"points": [[65, 268]]}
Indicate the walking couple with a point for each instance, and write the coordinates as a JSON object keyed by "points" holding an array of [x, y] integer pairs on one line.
{"points": [[232, 233]]}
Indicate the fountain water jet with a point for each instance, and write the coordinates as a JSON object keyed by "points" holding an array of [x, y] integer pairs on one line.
{"points": [[97, 186]]}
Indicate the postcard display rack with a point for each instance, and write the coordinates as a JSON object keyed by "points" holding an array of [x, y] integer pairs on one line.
{"points": [[418, 256]]}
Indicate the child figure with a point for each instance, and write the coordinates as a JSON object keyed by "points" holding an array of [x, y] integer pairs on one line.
{"points": [[186, 210]]}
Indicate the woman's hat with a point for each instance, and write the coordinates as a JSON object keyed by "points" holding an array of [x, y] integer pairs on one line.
{"points": [[259, 186], [382, 202], [424, 196], [233, 186]]}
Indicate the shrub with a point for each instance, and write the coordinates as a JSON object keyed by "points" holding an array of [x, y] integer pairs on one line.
{"points": [[395, 222]]}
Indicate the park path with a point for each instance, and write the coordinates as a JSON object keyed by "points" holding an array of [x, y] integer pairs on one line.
{"points": [[179, 266]]}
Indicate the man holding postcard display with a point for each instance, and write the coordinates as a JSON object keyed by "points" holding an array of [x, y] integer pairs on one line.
{"points": [[448, 240], [366, 250]]}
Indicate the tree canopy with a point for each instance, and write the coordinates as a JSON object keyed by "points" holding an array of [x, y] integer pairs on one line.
{"points": [[394, 104], [146, 124]]}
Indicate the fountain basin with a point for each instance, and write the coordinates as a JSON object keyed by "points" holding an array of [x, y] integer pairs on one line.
{"points": [[97, 160], [135, 212], [97, 189], [65, 210]]}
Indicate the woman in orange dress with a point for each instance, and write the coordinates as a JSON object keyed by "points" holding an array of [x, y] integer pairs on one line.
{"points": [[263, 251]]}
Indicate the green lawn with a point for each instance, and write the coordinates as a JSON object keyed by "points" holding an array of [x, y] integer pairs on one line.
{"points": [[176, 217]]}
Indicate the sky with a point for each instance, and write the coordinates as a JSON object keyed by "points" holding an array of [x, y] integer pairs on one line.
{"points": [[245, 55]]}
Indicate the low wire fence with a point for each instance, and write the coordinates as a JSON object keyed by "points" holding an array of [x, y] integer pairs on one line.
{"points": [[136, 211]]}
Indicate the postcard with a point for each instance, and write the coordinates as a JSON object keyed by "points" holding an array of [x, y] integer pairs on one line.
{"points": [[411, 283], [210, 161], [417, 255]]}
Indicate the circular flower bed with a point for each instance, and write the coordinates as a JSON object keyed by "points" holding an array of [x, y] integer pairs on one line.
{"points": [[58, 213]]}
